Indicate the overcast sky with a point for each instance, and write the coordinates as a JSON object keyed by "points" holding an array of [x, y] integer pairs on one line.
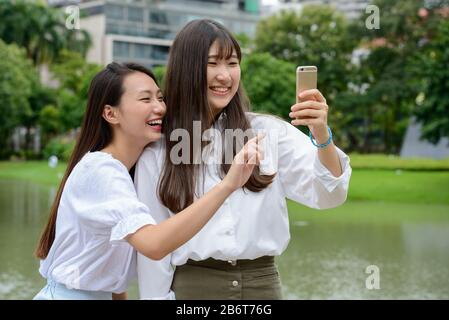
{"points": [[268, 2]]}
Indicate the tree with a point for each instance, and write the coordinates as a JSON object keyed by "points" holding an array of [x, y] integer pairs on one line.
{"points": [[41, 30], [17, 77], [159, 73], [40, 97], [390, 86], [318, 35], [433, 102], [269, 83], [373, 113], [315, 36], [50, 121], [74, 75]]}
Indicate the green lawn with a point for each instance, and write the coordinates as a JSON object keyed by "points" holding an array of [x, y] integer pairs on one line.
{"points": [[37, 171], [408, 186], [420, 187], [388, 189], [381, 161]]}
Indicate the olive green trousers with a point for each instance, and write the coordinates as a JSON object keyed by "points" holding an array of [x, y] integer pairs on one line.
{"points": [[228, 280]]}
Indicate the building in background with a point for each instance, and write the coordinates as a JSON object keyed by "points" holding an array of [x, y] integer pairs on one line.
{"points": [[351, 8], [143, 30]]}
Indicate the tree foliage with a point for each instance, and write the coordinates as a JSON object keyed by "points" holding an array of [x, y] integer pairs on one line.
{"points": [[39, 29], [17, 78], [269, 83], [432, 67], [315, 36], [74, 75]]}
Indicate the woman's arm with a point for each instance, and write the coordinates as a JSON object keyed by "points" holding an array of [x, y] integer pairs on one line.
{"points": [[312, 111], [329, 158], [307, 176], [156, 241]]}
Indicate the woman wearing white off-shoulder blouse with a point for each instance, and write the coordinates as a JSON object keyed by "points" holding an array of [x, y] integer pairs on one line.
{"points": [[232, 257]]}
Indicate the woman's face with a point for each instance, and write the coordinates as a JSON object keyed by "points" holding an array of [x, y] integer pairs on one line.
{"points": [[141, 109], [223, 78]]}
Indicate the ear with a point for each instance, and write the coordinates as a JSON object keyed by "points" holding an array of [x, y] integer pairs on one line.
{"points": [[110, 114]]}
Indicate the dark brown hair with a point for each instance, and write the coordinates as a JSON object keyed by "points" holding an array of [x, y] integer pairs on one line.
{"points": [[186, 100], [106, 88]]}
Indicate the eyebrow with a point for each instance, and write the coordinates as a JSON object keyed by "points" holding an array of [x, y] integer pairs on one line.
{"points": [[150, 92], [216, 56]]}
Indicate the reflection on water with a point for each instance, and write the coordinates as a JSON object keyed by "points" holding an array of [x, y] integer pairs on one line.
{"points": [[329, 261], [24, 207], [323, 261]]}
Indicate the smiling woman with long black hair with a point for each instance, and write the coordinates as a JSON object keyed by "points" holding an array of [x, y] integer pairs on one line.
{"points": [[232, 257], [96, 223]]}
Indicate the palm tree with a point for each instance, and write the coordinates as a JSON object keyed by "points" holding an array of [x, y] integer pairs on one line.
{"points": [[40, 30]]}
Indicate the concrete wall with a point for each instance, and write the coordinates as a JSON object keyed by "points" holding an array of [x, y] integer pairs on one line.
{"points": [[413, 146]]}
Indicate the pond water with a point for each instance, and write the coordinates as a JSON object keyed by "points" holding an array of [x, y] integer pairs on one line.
{"points": [[325, 259]]}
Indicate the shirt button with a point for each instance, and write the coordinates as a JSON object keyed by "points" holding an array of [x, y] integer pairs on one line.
{"points": [[229, 232], [235, 283]]}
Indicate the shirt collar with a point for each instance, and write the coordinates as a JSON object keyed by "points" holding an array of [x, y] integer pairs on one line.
{"points": [[219, 122]]}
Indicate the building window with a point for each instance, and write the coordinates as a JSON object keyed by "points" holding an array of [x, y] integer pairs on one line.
{"points": [[121, 49], [158, 17], [91, 11], [142, 51], [160, 53], [135, 14], [114, 11]]}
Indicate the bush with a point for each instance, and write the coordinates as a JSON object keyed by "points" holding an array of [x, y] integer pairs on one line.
{"points": [[60, 147], [20, 155], [6, 153], [159, 73]]}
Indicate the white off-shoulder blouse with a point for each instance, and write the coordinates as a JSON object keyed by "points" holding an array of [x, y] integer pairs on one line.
{"points": [[98, 209]]}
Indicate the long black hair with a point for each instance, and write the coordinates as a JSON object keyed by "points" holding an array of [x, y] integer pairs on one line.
{"points": [[106, 88], [186, 100]]}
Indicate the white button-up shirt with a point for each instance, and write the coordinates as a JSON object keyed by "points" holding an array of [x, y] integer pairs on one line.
{"points": [[249, 224]]}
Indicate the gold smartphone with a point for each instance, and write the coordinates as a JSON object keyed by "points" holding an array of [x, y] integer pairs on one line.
{"points": [[306, 78]]}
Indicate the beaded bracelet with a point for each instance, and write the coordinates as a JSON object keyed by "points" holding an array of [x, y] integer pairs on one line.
{"points": [[321, 145]]}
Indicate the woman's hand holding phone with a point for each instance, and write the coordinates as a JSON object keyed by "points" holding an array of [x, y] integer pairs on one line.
{"points": [[311, 108]]}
